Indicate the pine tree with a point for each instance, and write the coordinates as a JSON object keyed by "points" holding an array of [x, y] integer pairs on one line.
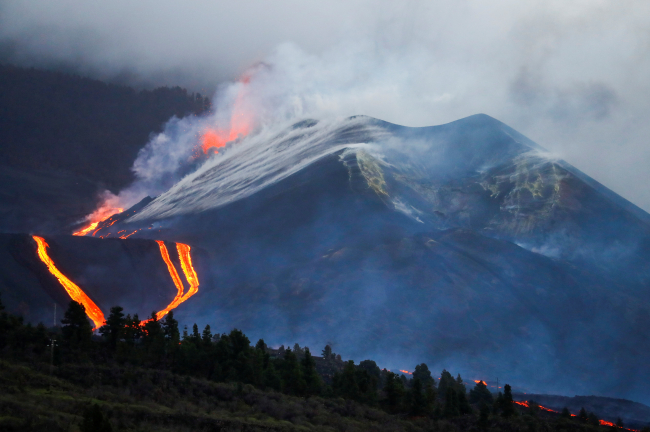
{"points": [[592, 419], [484, 416], [565, 413], [422, 373], [261, 345], [272, 378], [619, 423], [446, 382], [113, 329], [451, 404], [313, 382], [582, 415], [394, 392], [460, 386], [206, 336], [292, 379], [327, 353], [508, 406], [77, 331], [480, 393], [345, 384], [170, 329], [463, 405], [417, 398]]}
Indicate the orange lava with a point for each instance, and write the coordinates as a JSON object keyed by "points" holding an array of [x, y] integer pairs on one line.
{"points": [[602, 422], [175, 277], [128, 235], [406, 372], [240, 124], [98, 216], [188, 270], [93, 312], [83, 232]]}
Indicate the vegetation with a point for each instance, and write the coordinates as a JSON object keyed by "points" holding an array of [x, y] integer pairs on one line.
{"points": [[140, 376], [55, 120]]}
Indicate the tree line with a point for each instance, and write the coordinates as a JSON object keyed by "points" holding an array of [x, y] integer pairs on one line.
{"points": [[230, 357]]}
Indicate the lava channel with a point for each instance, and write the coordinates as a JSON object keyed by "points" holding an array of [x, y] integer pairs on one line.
{"points": [[188, 270], [72, 289]]}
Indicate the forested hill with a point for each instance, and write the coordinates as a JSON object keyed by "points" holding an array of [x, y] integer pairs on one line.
{"points": [[52, 120]]}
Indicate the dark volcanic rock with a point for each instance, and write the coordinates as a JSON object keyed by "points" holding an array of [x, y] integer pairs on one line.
{"points": [[463, 246]]}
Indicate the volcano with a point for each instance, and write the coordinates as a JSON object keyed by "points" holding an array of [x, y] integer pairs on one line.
{"points": [[465, 246]]}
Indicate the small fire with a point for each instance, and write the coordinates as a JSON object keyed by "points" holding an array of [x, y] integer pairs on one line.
{"points": [[76, 293], [406, 372]]}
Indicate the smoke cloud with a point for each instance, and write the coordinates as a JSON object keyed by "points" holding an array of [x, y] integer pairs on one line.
{"points": [[571, 76]]}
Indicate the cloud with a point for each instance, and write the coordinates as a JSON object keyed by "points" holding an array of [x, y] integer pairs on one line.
{"points": [[570, 75]]}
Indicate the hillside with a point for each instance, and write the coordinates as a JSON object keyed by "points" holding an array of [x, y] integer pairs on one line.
{"points": [[51, 120], [64, 139], [153, 378]]}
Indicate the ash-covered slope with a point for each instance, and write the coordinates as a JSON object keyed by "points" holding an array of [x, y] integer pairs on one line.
{"points": [[464, 245]]}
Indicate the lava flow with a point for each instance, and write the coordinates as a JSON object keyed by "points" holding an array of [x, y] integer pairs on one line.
{"points": [[103, 213], [73, 290], [175, 277], [188, 270], [601, 422]]}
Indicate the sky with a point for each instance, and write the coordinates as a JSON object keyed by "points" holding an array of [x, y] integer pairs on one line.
{"points": [[570, 75]]}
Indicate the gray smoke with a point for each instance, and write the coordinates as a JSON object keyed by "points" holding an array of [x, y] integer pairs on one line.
{"points": [[571, 76]]}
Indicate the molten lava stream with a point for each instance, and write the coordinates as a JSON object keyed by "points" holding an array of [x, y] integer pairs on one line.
{"points": [[175, 277], [188, 269], [73, 290], [83, 232]]}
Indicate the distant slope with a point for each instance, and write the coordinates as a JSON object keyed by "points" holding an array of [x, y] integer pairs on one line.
{"points": [[51, 120]]}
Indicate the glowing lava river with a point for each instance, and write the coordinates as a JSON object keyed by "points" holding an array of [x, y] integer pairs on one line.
{"points": [[72, 289], [93, 311]]}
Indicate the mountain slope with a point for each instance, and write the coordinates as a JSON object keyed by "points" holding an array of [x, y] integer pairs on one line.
{"points": [[464, 245]]}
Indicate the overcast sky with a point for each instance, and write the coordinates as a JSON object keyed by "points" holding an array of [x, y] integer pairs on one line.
{"points": [[571, 75]]}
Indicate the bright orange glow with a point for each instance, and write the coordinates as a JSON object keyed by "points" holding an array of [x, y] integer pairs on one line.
{"points": [[406, 372], [103, 213], [240, 124], [73, 290], [188, 269], [86, 230], [602, 422], [128, 235], [175, 277]]}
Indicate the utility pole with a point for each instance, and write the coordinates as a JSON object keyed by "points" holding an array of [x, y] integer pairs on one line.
{"points": [[54, 321], [52, 345]]}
